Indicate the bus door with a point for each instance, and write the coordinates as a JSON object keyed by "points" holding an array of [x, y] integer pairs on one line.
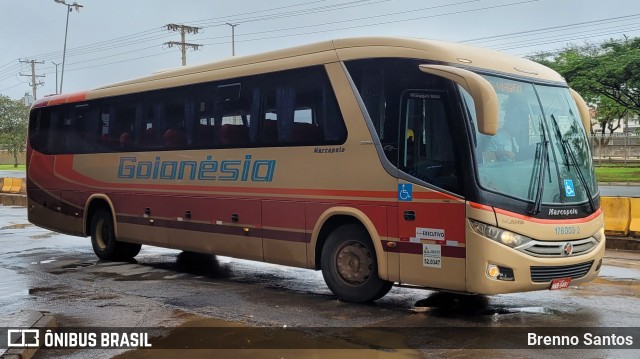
{"points": [[431, 217]]}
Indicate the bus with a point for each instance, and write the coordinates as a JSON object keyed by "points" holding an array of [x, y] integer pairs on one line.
{"points": [[378, 161]]}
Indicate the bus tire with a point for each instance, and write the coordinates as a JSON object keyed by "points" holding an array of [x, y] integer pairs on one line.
{"points": [[103, 239], [350, 267]]}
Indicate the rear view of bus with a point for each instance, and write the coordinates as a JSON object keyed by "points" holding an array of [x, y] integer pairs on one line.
{"points": [[422, 163]]}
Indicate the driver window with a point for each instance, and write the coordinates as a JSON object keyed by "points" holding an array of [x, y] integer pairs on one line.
{"points": [[426, 147]]}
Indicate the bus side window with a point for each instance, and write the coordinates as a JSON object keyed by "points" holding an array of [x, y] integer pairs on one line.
{"points": [[234, 106], [300, 109], [39, 123], [205, 130]]}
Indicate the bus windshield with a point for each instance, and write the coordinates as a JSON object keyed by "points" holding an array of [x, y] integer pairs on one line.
{"points": [[512, 162]]}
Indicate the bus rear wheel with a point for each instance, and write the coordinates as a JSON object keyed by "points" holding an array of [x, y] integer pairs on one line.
{"points": [[350, 267], [103, 239]]}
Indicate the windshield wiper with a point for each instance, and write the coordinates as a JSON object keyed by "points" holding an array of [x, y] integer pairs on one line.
{"points": [[566, 148], [543, 166]]}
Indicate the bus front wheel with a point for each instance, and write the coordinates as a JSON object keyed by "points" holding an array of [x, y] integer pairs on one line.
{"points": [[103, 239], [350, 267]]}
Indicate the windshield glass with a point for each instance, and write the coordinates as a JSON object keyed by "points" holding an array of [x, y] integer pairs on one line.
{"points": [[510, 162]]}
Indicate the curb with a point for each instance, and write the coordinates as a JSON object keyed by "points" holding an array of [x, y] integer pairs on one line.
{"points": [[623, 243], [45, 321], [8, 199], [630, 184]]}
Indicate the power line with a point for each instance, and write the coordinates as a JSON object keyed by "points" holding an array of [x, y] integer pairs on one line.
{"points": [[384, 23], [132, 39], [347, 20], [551, 29], [580, 36]]}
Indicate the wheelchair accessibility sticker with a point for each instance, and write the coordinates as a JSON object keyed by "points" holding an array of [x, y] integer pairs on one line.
{"points": [[405, 192], [568, 188]]}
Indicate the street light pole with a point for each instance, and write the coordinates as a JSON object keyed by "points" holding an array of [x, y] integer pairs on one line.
{"points": [[56, 75], [233, 38], [66, 30]]}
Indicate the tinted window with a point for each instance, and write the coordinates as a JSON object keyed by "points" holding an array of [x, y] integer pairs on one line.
{"points": [[300, 108], [410, 111], [294, 107]]}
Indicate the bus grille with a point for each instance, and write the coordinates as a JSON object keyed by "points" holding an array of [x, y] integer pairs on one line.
{"points": [[554, 249], [547, 273]]}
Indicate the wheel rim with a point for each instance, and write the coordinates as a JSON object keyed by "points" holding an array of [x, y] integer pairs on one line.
{"points": [[354, 263], [103, 233]]}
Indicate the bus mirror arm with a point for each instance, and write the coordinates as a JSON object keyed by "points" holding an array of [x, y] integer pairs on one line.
{"points": [[484, 96]]}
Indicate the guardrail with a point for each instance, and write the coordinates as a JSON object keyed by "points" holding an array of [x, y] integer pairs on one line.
{"points": [[621, 216], [13, 185]]}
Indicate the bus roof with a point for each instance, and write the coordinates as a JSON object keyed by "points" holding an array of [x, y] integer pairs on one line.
{"points": [[324, 52]]}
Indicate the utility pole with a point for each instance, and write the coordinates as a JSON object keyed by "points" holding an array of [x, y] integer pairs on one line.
{"points": [[184, 29], [56, 75], [33, 75], [233, 38]]}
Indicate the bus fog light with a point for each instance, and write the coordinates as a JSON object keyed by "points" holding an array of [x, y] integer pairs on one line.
{"points": [[500, 273], [493, 271]]}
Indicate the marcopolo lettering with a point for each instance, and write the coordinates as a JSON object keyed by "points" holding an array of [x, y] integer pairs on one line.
{"points": [[563, 212], [329, 150], [205, 170]]}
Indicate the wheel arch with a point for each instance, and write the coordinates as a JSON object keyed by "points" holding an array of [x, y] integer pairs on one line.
{"points": [[94, 202], [334, 217]]}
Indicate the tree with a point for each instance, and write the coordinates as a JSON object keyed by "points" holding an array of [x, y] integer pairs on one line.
{"points": [[606, 75], [14, 118]]}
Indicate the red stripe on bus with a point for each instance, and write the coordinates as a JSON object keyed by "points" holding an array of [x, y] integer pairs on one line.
{"points": [[236, 230], [60, 99], [481, 206]]}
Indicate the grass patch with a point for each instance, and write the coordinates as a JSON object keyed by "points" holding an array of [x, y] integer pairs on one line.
{"points": [[618, 174], [11, 168]]}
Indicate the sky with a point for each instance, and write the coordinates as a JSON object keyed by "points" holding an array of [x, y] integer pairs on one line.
{"points": [[114, 40]]}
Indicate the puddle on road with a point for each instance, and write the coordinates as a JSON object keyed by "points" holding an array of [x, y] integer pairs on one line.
{"points": [[12, 285], [46, 261], [16, 226], [259, 342], [77, 265], [42, 236], [202, 266], [620, 274], [460, 305]]}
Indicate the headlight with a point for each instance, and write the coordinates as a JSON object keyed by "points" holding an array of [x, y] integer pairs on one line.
{"points": [[507, 238], [599, 235]]}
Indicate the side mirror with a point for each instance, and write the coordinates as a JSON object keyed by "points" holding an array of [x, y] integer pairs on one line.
{"points": [[583, 109], [484, 96]]}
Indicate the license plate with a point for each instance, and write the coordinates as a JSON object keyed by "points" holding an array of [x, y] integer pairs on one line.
{"points": [[560, 283]]}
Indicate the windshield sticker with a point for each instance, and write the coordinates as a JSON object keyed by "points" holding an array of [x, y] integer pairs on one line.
{"points": [[405, 192], [432, 255], [568, 188]]}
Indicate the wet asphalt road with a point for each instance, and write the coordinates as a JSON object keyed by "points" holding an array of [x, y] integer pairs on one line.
{"points": [[42, 270]]}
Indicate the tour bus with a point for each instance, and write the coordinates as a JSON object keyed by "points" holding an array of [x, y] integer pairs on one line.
{"points": [[378, 161]]}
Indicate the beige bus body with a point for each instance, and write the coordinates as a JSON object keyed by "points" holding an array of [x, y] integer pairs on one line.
{"points": [[319, 191]]}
